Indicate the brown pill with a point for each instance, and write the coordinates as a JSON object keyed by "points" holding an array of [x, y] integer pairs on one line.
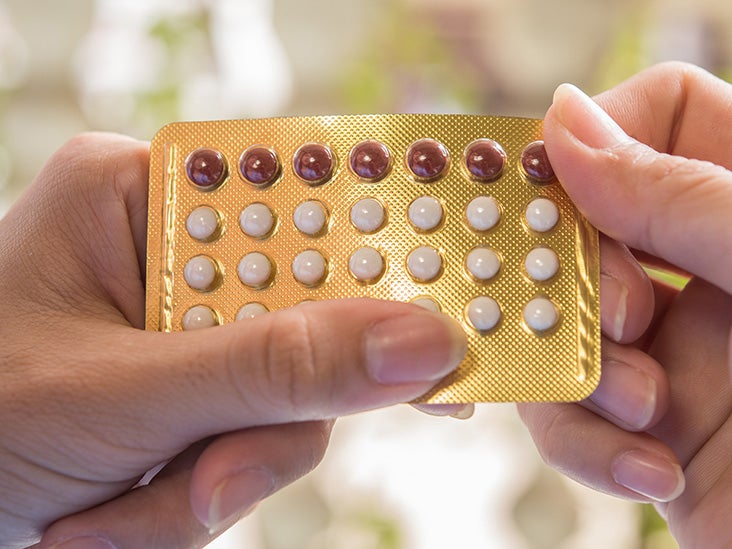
{"points": [[313, 163], [535, 163], [427, 159], [370, 160], [259, 166], [206, 168], [484, 160]]}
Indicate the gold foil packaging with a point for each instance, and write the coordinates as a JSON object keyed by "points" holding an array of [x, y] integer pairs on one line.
{"points": [[456, 213]]}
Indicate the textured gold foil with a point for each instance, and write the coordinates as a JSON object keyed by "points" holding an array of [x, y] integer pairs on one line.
{"points": [[510, 363]]}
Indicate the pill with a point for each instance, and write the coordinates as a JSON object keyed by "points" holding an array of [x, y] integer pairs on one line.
{"points": [[260, 166], [424, 264], [310, 217], [484, 159], [366, 264], [203, 224], [482, 213], [257, 220], [309, 268], [251, 310], [541, 264], [540, 314], [542, 215], [535, 163], [484, 313], [482, 263], [255, 270], [206, 168], [198, 317], [368, 215], [425, 213], [313, 163], [201, 273], [427, 303], [427, 159], [370, 160]]}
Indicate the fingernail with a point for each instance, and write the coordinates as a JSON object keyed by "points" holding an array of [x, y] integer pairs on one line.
{"points": [[237, 496], [585, 119], [650, 475], [85, 542], [466, 412], [457, 411], [419, 347], [626, 393], [614, 299]]}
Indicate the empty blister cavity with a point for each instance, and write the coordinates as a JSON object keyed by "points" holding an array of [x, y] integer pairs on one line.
{"points": [[199, 317], [368, 215], [428, 159], [310, 217], [424, 264], [257, 220], [310, 268], [204, 224], [256, 270], [541, 264], [425, 213], [482, 213], [206, 168], [540, 314], [484, 160], [251, 310], [535, 163], [370, 160], [314, 163], [482, 263], [542, 215], [260, 166], [483, 313], [201, 273], [366, 264]]}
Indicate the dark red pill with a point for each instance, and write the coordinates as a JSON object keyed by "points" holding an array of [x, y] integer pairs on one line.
{"points": [[484, 160], [259, 166], [206, 168], [370, 160], [313, 163], [535, 163], [427, 159]]}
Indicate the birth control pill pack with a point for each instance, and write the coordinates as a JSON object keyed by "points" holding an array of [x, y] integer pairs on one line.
{"points": [[455, 213]]}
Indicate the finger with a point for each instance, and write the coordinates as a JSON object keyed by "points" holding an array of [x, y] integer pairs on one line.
{"points": [[626, 293], [162, 512], [240, 469], [668, 206], [676, 108], [598, 454], [458, 411], [318, 360]]}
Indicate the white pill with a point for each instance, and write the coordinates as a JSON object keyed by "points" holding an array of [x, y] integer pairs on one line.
{"points": [[484, 313], [309, 267], [203, 223], [255, 270], [483, 263], [540, 314], [542, 215], [424, 264], [310, 217], [251, 310], [425, 213], [541, 264], [366, 264], [199, 317], [200, 273], [368, 215], [257, 220], [483, 213], [427, 303]]}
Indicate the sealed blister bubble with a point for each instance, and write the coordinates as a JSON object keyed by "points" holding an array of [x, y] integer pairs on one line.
{"points": [[460, 215]]}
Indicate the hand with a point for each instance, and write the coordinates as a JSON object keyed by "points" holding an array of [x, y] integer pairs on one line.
{"points": [[664, 400], [89, 401]]}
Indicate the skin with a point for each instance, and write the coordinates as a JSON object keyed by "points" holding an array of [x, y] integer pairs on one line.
{"points": [[648, 163]]}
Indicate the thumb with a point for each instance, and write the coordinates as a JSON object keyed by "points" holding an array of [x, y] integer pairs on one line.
{"points": [[672, 207]]}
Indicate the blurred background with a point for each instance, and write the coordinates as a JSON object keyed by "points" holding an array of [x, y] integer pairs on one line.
{"points": [[393, 479]]}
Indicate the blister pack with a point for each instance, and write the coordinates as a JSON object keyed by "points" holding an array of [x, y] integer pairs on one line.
{"points": [[457, 213]]}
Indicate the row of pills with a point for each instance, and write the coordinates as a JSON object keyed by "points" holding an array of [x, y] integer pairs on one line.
{"points": [[483, 313], [427, 160], [367, 265], [368, 215]]}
